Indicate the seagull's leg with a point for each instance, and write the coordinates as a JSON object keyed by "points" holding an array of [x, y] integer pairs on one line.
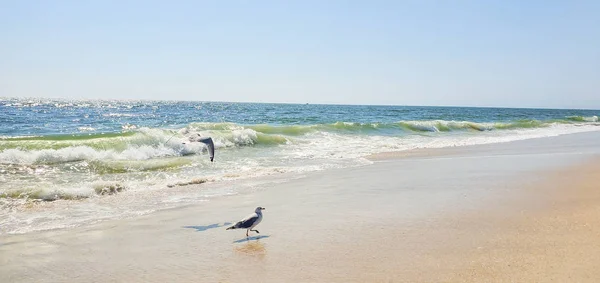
{"points": [[247, 233], [255, 231]]}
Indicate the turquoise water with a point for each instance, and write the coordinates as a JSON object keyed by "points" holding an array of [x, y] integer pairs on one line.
{"points": [[139, 154]]}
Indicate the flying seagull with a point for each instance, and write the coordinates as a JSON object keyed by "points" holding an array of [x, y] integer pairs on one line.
{"points": [[211, 147], [250, 221], [207, 141]]}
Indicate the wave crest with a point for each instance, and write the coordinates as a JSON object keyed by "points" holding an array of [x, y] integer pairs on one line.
{"points": [[152, 143], [583, 118]]}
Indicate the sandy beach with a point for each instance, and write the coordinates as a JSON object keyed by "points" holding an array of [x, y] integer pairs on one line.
{"points": [[400, 141], [554, 238], [523, 211]]}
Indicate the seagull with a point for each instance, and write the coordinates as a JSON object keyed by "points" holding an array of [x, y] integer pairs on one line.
{"points": [[207, 141], [250, 221]]}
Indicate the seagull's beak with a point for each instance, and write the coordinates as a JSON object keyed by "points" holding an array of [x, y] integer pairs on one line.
{"points": [[262, 208]]}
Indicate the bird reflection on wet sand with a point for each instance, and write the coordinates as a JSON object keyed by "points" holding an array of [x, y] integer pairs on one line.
{"points": [[252, 248]]}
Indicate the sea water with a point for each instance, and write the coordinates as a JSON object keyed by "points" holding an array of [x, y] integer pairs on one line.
{"points": [[65, 163]]}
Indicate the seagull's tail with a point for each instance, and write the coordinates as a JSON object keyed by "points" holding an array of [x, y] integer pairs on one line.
{"points": [[232, 227]]}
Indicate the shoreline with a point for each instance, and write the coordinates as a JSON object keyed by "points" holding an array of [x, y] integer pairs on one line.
{"points": [[154, 194], [391, 221]]}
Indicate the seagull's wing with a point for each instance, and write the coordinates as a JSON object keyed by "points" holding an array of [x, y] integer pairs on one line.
{"points": [[211, 146], [247, 222]]}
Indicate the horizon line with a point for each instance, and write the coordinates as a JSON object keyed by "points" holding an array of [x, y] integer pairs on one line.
{"points": [[300, 103]]}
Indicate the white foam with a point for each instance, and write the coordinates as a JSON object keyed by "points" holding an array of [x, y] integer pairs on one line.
{"points": [[120, 115], [324, 145], [80, 153], [86, 129]]}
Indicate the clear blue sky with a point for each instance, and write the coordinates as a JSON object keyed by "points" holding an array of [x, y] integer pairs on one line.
{"points": [[470, 53]]}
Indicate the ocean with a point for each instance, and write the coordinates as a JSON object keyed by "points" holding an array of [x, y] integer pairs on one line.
{"points": [[65, 163]]}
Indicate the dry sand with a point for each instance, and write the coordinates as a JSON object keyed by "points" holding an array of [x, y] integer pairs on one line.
{"points": [[387, 222], [554, 238]]}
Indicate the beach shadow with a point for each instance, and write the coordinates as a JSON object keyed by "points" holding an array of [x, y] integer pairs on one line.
{"points": [[207, 227], [248, 239]]}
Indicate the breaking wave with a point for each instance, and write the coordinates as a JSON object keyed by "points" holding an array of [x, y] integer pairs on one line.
{"points": [[42, 194], [127, 150], [582, 118]]}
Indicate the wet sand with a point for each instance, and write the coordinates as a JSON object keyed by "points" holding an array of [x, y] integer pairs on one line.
{"points": [[498, 213]]}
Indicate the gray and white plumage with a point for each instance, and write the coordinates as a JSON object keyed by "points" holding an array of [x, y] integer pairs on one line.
{"points": [[250, 221], [211, 147], [207, 141]]}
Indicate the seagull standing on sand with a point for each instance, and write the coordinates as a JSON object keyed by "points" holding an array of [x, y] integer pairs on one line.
{"points": [[250, 221]]}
